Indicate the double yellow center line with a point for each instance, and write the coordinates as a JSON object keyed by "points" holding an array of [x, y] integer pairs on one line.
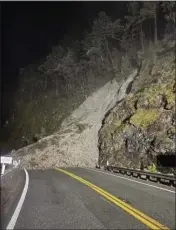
{"points": [[148, 221]]}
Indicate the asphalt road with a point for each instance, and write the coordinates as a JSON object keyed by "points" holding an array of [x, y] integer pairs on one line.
{"points": [[56, 200], [11, 188]]}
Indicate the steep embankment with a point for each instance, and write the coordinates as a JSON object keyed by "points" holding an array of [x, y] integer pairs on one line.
{"points": [[125, 123], [143, 124], [76, 143]]}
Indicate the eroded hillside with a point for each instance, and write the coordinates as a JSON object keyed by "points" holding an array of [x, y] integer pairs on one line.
{"points": [[76, 142]]}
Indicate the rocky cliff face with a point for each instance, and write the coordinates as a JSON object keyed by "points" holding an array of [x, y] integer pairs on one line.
{"points": [[143, 124]]}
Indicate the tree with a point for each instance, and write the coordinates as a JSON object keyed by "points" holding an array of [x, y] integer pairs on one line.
{"points": [[136, 20], [51, 65], [106, 31], [52, 60], [100, 30], [148, 11], [170, 10]]}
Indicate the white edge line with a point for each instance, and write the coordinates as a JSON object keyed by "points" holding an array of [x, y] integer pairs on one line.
{"points": [[133, 180], [16, 213]]}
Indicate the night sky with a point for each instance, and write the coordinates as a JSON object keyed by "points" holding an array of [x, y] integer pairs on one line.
{"points": [[29, 29]]}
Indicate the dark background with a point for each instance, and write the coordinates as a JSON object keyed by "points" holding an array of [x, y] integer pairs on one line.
{"points": [[29, 29]]}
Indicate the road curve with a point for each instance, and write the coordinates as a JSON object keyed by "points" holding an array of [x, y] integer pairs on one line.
{"points": [[56, 200]]}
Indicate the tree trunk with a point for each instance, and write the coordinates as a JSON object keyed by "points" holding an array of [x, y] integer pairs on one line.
{"points": [[156, 37], [174, 16], [56, 87], [31, 92], [46, 81], [120, 64], [142, 40], [110, 54]]}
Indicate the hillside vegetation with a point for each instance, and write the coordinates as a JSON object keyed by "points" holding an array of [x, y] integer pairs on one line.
{"points": [[73, 72]]}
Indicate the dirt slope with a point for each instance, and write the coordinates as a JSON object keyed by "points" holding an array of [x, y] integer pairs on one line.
{"points": [[76, 143]]}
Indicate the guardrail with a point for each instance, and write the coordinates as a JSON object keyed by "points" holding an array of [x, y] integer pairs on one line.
{"points": [[156, 177]]}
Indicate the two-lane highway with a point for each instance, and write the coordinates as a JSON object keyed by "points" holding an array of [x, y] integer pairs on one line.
{"points": [[80, 198]]}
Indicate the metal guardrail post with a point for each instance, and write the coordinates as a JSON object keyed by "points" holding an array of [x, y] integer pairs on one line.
{"points": [[3, 169]]}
